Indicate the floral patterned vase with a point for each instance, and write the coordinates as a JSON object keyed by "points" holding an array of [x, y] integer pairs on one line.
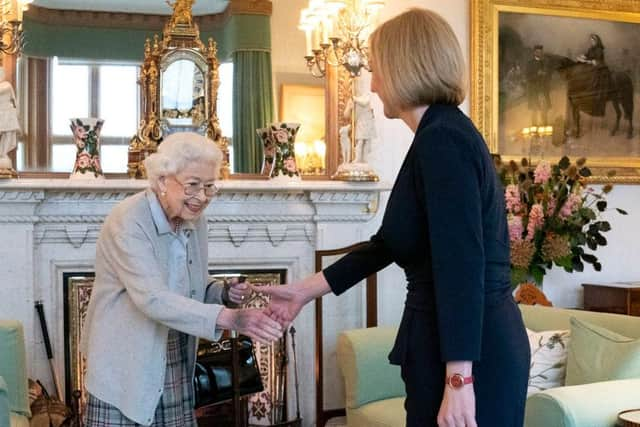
{"points": [[283, 136], [86, 137]]}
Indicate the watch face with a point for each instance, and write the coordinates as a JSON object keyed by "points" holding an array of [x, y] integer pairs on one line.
{"points": [[456, 381]]}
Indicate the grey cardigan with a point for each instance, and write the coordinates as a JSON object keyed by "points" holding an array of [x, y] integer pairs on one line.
{"points": [[132, 307]]}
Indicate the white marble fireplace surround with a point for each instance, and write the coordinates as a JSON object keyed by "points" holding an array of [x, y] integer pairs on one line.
{"points": [[49, 227]]}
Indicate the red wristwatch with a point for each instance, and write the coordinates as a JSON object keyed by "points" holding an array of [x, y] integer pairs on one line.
{"points": [[458, 380]]}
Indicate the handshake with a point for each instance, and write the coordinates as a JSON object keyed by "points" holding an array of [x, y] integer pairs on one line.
{"points": [[263, 324]]}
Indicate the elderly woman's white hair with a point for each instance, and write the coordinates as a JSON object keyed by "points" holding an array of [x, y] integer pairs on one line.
{"points": [[179, 150]]}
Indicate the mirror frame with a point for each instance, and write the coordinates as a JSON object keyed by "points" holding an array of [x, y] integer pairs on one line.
{"points": [[180, 38]]}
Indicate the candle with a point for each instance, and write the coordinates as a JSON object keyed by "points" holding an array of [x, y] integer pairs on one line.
{"points": [[307, 36], [325, 30]]}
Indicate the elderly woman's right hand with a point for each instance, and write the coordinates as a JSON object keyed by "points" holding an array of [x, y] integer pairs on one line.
{"points": [[251, 322]]}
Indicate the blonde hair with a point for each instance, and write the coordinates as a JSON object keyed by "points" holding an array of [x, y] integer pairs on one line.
{"points": [[419, 60], [177, 151]]}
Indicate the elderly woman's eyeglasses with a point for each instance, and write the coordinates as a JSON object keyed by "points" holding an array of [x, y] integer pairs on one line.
{"points": [[193, 188]]}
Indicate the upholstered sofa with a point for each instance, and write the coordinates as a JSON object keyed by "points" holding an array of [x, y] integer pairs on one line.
{"points": [[14, 397], [375, 392]]}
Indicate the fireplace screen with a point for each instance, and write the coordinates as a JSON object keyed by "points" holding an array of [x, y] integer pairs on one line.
{"points": [[265, 408]]}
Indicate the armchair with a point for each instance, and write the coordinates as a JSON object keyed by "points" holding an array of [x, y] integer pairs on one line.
{"points": [[14, 397]]}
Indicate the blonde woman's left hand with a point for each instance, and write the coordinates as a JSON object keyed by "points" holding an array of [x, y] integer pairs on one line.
{"points": [[458, 408], [238, 292]]}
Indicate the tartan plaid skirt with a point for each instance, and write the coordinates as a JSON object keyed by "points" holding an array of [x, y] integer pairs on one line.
{"points": [[175, 408]]}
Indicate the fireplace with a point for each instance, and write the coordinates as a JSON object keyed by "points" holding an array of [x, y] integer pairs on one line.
{"points": [[51, 228]]}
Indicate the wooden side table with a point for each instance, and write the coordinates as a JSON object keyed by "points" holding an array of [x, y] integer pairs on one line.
{"points": [[621, 298]]}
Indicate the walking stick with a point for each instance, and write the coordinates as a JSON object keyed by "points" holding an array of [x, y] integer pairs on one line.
{"points": [[292, 331], [47, 345]]}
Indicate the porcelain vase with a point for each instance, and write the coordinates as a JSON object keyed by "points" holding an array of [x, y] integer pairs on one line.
{"points": [[278, 141], [86, 137]]}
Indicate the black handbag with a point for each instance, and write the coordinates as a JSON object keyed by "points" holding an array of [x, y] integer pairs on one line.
{"points": [[213, 374]]}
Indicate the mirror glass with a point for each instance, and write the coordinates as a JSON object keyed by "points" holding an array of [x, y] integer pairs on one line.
{"points": [[182, 98]]}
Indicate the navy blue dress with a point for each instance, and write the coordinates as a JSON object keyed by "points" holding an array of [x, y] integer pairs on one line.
{"points": [[445, 225]]}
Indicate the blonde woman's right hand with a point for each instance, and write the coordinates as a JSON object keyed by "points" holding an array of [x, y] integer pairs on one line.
{"points": [[252, 322]]}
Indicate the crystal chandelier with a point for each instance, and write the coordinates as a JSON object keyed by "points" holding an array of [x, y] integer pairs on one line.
{"points": [[11, 36], [336, 33]]}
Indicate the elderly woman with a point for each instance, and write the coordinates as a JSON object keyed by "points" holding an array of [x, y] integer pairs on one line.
{"points": [[150, 299], [461, 344]]}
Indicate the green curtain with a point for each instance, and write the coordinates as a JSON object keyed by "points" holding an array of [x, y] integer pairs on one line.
{"points": [[252, 107]]}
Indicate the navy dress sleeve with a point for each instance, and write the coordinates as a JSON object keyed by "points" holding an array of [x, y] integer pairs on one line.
{"points": [[358, 264], [450, 173]]}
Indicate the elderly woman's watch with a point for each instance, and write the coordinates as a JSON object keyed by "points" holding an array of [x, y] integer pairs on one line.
{"points": [[458, 381]]}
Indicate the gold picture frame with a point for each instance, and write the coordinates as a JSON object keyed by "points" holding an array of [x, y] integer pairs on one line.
{"points": [[502, 117]]}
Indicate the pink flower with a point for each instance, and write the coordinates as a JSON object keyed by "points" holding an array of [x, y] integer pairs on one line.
{"points": [[78, 131], [515, 227], [281, 135], [536, 220], [290, 164], [96, 163], [542, 173], [512, 198], [551, 205], [570, 206], [83, 161]]}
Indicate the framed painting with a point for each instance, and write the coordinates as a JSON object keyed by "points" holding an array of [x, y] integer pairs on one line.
{"points": [[551, 78]]}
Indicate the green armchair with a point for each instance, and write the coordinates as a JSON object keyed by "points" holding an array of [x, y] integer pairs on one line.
{"points": [[375, 392], [14, 396]]}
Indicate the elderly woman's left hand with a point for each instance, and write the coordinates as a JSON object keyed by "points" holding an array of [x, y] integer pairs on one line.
{"points": [[238, 292]]}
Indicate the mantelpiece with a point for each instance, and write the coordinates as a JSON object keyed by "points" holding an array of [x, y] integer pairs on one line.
{"points": [[49, 228]]}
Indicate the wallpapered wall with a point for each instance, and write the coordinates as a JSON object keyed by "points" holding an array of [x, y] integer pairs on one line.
{"points": [[620, 259]]}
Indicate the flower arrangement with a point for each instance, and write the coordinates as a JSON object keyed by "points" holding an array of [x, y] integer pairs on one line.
{"points": [[552, 215]]}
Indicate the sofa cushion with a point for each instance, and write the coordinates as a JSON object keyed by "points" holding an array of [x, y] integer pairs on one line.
{"points": [[598, 354], [362, 354], [13, 365], [383, 413], [548, 359]]}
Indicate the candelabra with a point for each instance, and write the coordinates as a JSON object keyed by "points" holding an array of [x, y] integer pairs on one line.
{"points": [[336, 33], [11, 35]]}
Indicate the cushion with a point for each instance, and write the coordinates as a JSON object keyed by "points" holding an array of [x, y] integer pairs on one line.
{"points": [[364, 364], [598, 354], [382, 413], [548, 359]]}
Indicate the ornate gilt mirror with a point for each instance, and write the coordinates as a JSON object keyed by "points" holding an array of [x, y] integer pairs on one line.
{"points": [[179, 86]]}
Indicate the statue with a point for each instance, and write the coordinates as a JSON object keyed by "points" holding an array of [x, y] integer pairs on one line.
{"points": [[365, 129], [357, 144], [345, 143], [9, 126], [182, 11]]}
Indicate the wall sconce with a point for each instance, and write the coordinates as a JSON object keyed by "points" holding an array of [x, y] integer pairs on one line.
{"points": [[336, 32], [11, 36]]}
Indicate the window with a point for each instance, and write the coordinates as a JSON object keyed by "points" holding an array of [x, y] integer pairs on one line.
{"points": [[108, 91]]}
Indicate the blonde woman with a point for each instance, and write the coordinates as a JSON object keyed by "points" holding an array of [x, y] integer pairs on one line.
{"points": [[461, 344], [150, 300]]}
